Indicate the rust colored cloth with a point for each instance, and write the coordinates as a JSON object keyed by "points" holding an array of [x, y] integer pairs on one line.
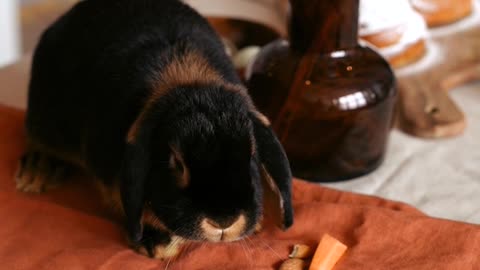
{"points": [[69, 228]]}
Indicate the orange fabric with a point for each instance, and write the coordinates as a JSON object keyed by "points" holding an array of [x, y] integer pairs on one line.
{"points": [[68, 228]]}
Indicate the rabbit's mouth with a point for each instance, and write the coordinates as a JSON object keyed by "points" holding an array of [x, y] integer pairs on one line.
{"points": [[227, 231]]}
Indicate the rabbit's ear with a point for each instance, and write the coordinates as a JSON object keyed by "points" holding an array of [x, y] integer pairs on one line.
{"points": [[275, 172], [135, 168]]}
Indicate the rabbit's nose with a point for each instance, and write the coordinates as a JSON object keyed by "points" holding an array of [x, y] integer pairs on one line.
{"points": [[225, 230], [224, 224]]}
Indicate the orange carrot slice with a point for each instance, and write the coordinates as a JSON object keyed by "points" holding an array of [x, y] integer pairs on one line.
{"points": [[327, 254]]}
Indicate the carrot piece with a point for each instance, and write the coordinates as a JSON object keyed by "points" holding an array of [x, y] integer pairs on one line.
{"points": [[327, 254]]}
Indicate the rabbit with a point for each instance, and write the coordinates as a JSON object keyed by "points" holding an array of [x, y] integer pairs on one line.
{"points": [[141, 94]]}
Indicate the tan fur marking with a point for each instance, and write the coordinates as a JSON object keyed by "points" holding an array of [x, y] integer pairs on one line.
{"points": [[273, 200], [183, 178], [151, 219], [236, 229], [163, 251], [32, 184], [190, 68], [213, 232], [186, 70], [169, 251], [142, 250], [71, 158], [240, 89], [111, 196], [258, 227], [263, 119], [134, 129]]}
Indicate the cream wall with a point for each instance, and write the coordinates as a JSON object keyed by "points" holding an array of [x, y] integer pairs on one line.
{"points": [[9, 32]]}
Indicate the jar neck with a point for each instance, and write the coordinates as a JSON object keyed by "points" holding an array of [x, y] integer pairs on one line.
{"points": [[323, 26]]}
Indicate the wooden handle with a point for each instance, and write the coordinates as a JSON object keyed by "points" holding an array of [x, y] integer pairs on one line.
{"points": [[463, 76], [425, 108], [428, 112]]}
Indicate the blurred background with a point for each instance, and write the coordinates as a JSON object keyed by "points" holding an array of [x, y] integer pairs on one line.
{"points": [[21, 23], [9, 31]]}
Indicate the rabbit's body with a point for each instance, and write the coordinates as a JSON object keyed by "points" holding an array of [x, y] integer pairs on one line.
{"points": [[83, 63], [141, 94]]}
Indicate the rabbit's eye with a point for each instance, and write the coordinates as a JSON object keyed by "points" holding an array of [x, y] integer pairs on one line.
{"points": [[176, 164], [179, 167], [180, 170]]}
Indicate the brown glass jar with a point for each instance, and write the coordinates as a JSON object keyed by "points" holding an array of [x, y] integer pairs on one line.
{"points": [[331, 101]]}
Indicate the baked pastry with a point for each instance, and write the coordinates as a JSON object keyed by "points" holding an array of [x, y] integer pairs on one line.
{"points": [[382, 23], [245, 22], [440, 12], [394, 28]]}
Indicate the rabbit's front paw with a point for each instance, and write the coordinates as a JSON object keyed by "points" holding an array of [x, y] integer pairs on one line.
{"points": [[38, 172], [159, 244]]}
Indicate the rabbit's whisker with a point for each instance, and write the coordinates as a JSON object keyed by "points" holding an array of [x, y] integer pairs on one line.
{"points": [[168, 263], [244, 248], [251, 248], [270, 248]]}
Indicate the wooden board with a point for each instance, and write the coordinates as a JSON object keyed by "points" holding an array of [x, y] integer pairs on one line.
{"points": [[425, 108]]}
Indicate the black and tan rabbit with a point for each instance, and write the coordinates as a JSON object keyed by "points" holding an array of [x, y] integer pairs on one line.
{"points": [[141, 94]]}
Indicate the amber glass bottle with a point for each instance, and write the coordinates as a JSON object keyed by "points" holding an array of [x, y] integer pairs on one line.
{"points": [[331, 100]]}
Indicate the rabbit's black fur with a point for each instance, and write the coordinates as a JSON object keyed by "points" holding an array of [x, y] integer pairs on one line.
{"points": [[175, 148]]}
